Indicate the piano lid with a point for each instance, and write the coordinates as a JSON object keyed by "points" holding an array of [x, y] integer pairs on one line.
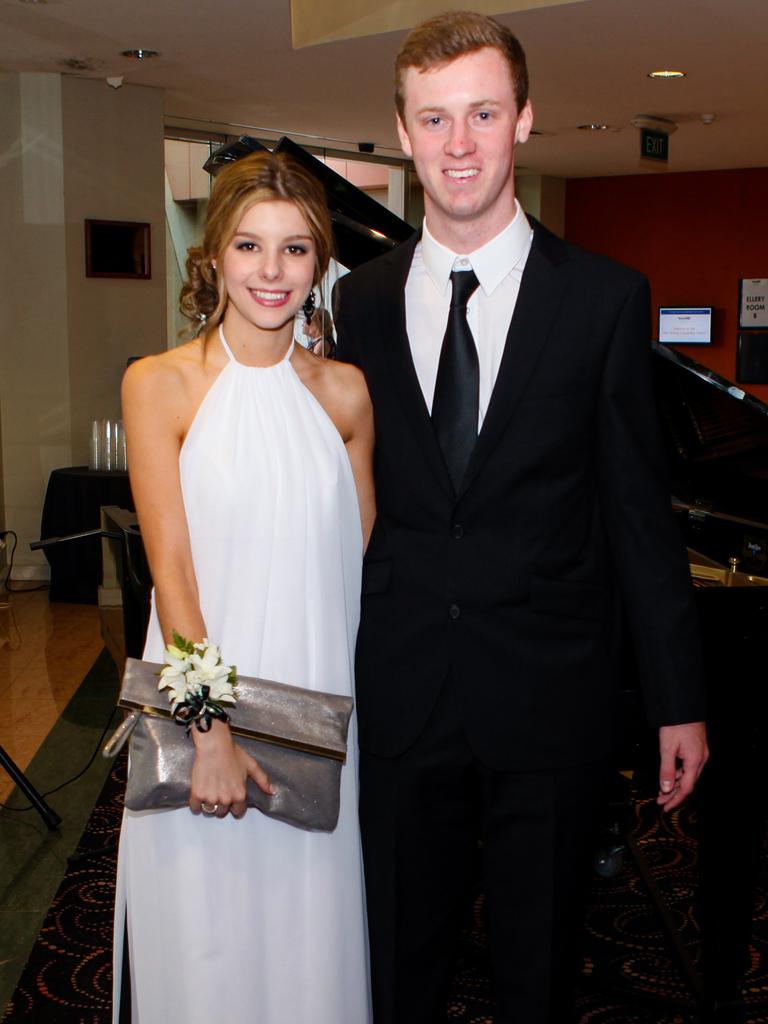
{"points": [[362, 227], [233, 151], [716, 437]]}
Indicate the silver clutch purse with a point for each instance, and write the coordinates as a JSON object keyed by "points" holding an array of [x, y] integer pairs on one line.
{"points": [[298, 736]]}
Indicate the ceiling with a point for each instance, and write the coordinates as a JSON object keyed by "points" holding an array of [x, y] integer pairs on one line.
{"points": [[230, 62]]}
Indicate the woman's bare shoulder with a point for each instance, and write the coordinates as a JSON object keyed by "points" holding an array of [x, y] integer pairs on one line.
{"points": [[339, 387], [339, 378], [349, 381], [164, 371]]}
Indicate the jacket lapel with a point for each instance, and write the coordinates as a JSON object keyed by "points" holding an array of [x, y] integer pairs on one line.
{"points": [[541, 291], [396, 358]]}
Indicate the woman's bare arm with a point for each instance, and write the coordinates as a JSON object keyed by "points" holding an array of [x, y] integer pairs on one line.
{"points": [[360, 450], [154, 412], [341, 390], [159, 400]]}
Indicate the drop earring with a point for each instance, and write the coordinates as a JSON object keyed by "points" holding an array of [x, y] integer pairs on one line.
{"points": [[309, 306]]}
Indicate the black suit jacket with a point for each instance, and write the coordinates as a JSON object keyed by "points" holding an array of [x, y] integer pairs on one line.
{"points": [[516, 584]]}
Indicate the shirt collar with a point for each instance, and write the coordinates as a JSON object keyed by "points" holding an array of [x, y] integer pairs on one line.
{"points": [[492, 262]]}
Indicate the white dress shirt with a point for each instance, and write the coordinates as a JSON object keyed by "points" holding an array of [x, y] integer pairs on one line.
{"points": [[499, 266]]}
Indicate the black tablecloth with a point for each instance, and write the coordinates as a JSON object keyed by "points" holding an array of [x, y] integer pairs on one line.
{"points": [[72, 503]]}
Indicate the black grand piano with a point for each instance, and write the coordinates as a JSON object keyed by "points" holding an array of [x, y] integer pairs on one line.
{"points": [[717, 444], [717, 447]]}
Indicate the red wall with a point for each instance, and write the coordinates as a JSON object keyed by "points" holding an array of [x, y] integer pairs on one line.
{"points": [[694, 235]]}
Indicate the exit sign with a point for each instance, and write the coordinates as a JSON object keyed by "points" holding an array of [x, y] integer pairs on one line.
{"points": [[654, 145]]}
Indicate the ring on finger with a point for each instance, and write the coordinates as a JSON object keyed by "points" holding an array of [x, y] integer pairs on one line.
{"points": [[208, 808]]}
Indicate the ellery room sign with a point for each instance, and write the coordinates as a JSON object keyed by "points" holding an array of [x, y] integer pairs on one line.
{"points": [[753, 307]]}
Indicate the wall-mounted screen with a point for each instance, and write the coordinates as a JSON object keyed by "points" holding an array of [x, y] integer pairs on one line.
{"points": [[685, 325]]}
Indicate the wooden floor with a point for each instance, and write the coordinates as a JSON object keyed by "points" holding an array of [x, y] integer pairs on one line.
{"points": [[45, 651]]}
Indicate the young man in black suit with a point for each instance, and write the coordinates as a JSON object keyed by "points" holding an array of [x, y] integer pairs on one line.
{"points": [[521, 508]]}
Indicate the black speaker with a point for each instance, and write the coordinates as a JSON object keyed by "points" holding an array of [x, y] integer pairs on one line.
{"points": [[752, 357]]}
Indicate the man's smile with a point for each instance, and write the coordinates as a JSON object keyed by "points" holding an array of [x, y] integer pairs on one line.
{"points": [[460, 174]]}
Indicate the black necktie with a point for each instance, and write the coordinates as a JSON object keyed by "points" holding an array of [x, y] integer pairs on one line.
{"points": [[457, 389]]}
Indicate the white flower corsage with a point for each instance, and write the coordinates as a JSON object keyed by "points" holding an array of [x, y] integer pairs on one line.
{"points": [[198, 682]]}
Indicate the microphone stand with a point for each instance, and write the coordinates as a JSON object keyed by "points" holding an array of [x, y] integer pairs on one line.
{"points": [[50, 817]]}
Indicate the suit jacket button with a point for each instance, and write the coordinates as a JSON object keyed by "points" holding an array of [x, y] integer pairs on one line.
{"points": [[454, 611], [457, 531]]}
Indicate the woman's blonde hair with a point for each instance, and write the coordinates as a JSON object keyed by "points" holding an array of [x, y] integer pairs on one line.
{"points": [[257, 178]]}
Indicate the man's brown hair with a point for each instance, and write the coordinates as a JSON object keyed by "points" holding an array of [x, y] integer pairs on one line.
{"points": [[445, 37]]}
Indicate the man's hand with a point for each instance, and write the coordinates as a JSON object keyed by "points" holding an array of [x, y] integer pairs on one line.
{"points": [[684, 753]]}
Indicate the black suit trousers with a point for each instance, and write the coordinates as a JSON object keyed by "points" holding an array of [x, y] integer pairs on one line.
{"points": [[427, 816]]}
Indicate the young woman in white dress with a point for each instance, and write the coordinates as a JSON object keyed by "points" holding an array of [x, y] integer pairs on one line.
{"points": [[250, 464]]}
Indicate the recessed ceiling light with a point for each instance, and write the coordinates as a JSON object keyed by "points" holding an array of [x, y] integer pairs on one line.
{"points": [[667, 73], [654, 123], [593, 126], [139, 54]]}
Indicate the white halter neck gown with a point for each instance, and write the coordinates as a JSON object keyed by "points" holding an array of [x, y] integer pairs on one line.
{"points": [[253, 921]]}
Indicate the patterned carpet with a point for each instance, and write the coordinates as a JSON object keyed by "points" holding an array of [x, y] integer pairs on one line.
{"points": [[68, 977], [630, 975]]}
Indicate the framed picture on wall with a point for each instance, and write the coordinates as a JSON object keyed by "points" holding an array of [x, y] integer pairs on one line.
{"points": [[117, 248], [753, 302]]}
